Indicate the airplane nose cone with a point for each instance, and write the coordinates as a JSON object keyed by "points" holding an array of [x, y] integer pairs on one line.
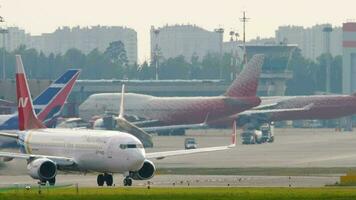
{"points": [[137, 159]]}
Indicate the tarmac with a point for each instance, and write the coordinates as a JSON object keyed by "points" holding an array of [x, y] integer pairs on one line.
{"points": [[292, 148]]}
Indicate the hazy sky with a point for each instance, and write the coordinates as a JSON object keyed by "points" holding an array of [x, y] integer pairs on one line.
{"points": [[39, 16]]}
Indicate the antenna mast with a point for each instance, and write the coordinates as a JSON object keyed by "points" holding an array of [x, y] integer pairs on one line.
{"points": [[244, 19]]}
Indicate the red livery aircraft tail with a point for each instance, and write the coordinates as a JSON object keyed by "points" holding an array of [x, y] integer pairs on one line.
{"points": [[246, 83], [27, 117]]}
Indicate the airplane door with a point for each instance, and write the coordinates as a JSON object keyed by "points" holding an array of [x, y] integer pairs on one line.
{"points": [[110, 149]]}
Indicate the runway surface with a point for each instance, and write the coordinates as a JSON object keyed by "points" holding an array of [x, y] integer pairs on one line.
{"points": [[292, 148]]}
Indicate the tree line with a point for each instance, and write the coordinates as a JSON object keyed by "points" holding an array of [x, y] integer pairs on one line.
{"points": [[308, 75]]}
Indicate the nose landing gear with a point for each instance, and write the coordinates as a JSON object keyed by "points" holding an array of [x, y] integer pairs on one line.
{"points": [[127, 181]]}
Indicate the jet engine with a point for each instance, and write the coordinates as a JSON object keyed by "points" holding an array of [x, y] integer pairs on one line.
{"points": [[147, 171], [42, 169]]}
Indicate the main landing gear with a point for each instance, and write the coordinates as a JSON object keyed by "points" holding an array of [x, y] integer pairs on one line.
{"points": [[127, 181], [105, 178], [108, 179]]}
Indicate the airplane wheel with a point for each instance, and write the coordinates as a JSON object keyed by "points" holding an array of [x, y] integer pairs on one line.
{"points": [[127, 182], [108, 179], [100, 180], [271, 139], [42, 182], [52, 181]]}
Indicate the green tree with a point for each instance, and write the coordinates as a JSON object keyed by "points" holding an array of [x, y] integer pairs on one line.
{"points": [[117, 53], [211, 66], [174, 68], [336, 75], [145, 71], [302, 82]]}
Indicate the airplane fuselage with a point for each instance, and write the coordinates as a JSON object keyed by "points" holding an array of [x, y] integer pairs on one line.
{"points": [[317, 107], [92, 150], [321, 107], [167, 110]]}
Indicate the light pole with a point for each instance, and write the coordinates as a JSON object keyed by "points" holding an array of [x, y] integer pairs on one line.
{"points": [[244, 19], [3, 32], [327, 30], [156, 32], [220, 31], [232, 33]]}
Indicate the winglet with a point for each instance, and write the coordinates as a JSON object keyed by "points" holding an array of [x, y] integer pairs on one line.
{"points": [[233, 135], [27, 117], [121, 114], [206, 119]]}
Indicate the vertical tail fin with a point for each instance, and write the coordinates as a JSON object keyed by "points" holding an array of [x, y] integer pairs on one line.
{"points": [[121, 114], [246, 82], [27, 117], [50, 102]]}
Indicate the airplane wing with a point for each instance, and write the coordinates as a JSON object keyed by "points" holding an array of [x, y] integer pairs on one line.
{"points": [[264, 114], [180, 126], [173, 127], [270, 111], [163, 154], [9, 134], [61, 161]]}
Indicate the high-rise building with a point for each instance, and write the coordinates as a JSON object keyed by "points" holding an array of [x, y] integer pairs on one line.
{"points": [[185, 40], [310, 40], [14, 38], [86, 39], [349, 58]]}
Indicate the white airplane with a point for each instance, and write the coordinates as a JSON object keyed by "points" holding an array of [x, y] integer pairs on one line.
{"points": [[104, 152]]}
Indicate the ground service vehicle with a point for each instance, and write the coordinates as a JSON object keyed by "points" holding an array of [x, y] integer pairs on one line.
{"points": [[190, 143]]}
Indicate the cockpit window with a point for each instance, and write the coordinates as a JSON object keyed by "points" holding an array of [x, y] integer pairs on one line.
{"points": [[131, 146]]}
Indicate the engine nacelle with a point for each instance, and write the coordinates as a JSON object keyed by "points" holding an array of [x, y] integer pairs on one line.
{"points": [[42, 169], [147, 171]]}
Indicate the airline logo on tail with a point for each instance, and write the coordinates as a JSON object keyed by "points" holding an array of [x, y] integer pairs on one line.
{"points": [[27, 117], [23, 102]]}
